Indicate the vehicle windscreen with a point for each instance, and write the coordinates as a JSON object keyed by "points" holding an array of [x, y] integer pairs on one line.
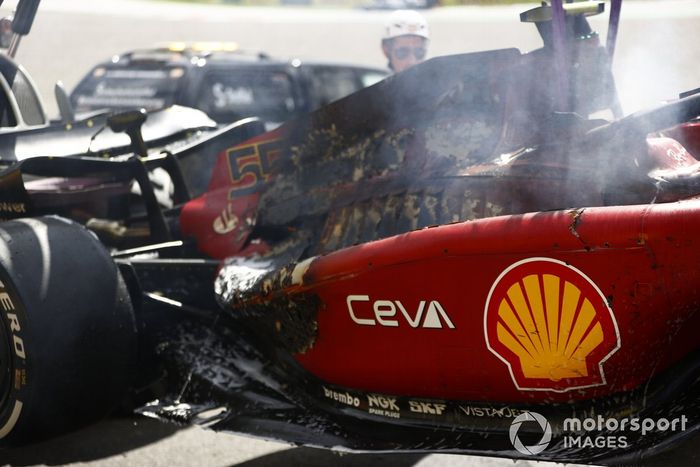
{"points": [[127, 88], [230, 95]]}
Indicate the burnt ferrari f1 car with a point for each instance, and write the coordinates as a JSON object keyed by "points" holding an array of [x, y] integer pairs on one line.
{"points": [[477, 265]]}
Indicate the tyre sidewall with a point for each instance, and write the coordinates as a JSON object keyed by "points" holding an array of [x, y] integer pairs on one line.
{"points": [[76, 326]]}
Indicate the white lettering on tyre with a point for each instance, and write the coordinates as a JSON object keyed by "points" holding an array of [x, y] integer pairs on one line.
{"points": [[12, 421], [8, 307]]}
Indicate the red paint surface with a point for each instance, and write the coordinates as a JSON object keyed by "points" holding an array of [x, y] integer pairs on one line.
{"points": [[644, 259]]}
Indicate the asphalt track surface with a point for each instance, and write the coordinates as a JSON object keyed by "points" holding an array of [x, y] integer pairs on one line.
{"points": [[657, 57]]}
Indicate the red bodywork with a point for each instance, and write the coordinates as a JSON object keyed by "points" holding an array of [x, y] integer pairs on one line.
{"points": [[643, 259], [223, 217]]}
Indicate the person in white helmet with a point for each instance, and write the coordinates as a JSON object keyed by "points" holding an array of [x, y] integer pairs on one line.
{"points": [[405, 41]]}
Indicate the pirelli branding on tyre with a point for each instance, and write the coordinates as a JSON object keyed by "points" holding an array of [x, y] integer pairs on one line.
{"points": [[13, 357]]}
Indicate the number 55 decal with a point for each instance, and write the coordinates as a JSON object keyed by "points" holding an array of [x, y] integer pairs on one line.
{"points": [[249, 166]]}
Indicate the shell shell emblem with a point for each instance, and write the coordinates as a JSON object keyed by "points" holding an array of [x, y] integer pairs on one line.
{"points": [[551, 325]]}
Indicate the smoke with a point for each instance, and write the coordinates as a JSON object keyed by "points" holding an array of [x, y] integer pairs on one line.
{"points": [[656, 56]]}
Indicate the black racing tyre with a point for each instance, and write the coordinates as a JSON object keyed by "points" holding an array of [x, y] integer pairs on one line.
{"points": [[67, 330]]}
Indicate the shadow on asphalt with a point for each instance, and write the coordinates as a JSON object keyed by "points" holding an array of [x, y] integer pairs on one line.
{"points": [[91, 443], [119, 435], [309, 457]]}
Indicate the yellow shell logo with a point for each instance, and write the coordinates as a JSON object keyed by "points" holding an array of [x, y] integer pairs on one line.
{"points": [[551, 325]]}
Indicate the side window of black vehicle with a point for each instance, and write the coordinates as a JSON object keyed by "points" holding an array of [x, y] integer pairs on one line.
{"points": [[370, 77], [128, 87], [230, 95], [333, 83]]}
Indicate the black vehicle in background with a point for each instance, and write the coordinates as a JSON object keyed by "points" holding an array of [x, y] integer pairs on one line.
{"points": [[220, 80]]}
